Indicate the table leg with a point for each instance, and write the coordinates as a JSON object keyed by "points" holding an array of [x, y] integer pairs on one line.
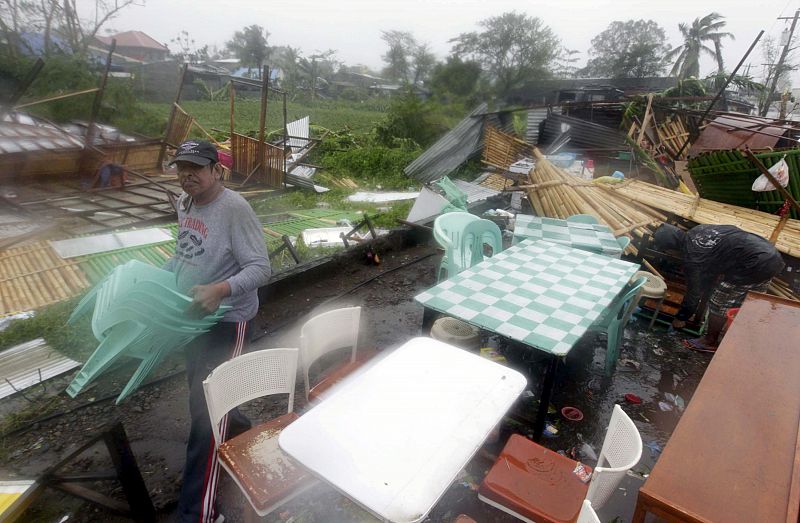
{"points": [[544, 398], [640, 512], [428, 317]]}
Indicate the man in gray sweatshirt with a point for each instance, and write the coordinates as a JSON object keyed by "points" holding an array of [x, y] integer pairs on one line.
{"points": [[220, 259]]}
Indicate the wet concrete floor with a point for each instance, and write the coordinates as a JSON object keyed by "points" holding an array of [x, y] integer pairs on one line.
{"points": [[652, 364]]}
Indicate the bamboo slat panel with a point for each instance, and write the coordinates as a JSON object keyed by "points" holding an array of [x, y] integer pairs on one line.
{"points": [[141, 157], [502, 149], [180, 127], [496, 182], [33, 275], [268, 170]]}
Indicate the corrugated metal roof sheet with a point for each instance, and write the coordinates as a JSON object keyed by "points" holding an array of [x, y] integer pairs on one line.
{"points": [[726, 133], [21, 138], [33, 276], [451, 150], [475, 193], [583, 134], [30, 363], [535, 118]]}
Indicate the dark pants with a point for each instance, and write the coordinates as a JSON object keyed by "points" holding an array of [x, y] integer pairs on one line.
{"points": [[224, 341]]}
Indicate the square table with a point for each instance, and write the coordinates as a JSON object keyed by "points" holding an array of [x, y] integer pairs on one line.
{"points": [[395, 436], [538, 293], [592, 237]]}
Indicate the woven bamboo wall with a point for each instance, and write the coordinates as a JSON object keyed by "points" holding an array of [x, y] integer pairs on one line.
{"points": [[245, 152]]}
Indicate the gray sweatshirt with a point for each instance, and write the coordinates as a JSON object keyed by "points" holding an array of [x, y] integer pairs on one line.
{"points": [[222, 241]]}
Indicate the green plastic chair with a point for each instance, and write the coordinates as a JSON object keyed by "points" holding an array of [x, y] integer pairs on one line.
{"points": [[476, 235], [582, 218], [623, 241], [454, 195], [616, 317], [448, 231]]}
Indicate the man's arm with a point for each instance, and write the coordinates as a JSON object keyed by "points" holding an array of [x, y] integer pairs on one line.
{"points": [[250, 251], [698, 281]]}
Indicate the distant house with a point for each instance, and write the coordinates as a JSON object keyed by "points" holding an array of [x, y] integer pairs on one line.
{"points": [[136, 45]]}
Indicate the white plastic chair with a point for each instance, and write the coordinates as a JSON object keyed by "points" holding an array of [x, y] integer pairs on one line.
{"points": [[237, 381], [587, 515], [622, 450], [326, 332], [515, 488]]}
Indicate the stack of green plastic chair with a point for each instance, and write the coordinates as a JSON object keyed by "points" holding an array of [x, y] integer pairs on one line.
{"points": [[448, 231], [137, 312], [476, 235]]}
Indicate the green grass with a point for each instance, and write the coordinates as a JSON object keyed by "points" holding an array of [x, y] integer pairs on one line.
{"points": [[336, 199], [328, 114]]}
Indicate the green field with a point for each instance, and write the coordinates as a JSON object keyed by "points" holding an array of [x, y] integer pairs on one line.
{"points": [[361, 117]]}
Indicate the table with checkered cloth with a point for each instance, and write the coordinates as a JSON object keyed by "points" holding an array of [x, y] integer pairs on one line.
{"points": [[593, 237], [539, 293]]}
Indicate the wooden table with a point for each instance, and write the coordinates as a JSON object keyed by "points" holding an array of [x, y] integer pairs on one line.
{"points": [[394, 437], [735, 454]]}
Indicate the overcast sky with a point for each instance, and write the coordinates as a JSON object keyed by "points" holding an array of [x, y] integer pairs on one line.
{"points": [[353, 27]]}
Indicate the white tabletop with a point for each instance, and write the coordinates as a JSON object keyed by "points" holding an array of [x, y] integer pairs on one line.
{"points": [[394, 437]]}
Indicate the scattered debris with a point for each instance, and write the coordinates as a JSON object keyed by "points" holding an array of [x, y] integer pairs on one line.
{"points": [[633, 398], [665, 407], [29, 364], [377, 197], [583, 473], [655, 448], [74, 247]]}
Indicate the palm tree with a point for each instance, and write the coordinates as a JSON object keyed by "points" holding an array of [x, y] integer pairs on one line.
{"points": [[695, 38]]}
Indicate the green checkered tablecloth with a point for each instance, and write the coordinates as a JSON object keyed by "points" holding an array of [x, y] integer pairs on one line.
{"points": [[536, 292], [585, 236]]}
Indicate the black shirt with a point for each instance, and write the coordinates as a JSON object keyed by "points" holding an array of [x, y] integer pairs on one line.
{"points": [[726, 251]]}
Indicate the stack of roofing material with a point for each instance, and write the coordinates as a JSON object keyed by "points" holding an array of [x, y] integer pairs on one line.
{"points": [[632, 205], [138, 313], [583, 134], [727, 176], [555, 193], [635, 207], [786, 237]]}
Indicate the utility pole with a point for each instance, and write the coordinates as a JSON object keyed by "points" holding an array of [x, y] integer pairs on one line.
{"points": [[779, 65]]}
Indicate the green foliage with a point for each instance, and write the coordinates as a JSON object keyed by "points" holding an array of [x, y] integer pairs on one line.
{"points": [[250, 46], [326, 114], [513, 48], [695, 39], [209, 93], [76, 341], [410, 118], [374, 166], [455, 79], [66, 74], [631, 49]]}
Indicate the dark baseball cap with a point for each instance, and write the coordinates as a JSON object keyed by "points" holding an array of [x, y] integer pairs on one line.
{"points": [[198, 152]]}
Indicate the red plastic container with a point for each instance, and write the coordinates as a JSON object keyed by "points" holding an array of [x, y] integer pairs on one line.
{"points": [[731, 315]]}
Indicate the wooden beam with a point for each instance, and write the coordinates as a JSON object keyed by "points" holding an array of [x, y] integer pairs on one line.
{"points": [[171, 120]]}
